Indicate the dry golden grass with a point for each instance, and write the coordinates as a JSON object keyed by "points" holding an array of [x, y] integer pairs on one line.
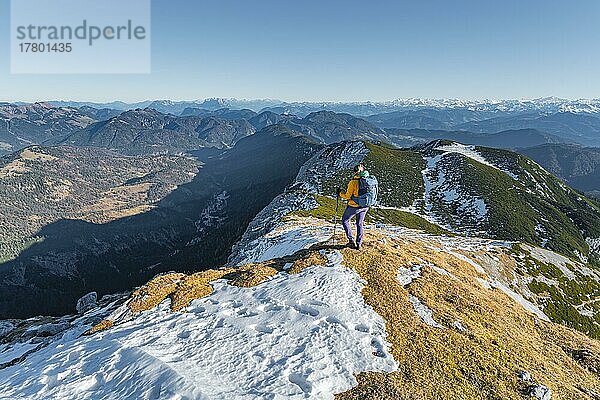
{"points": [[195, 286], [312, 258], [127, 191], [111, 215], [30, 154], [154, 292], [501, 338], [102, 325], [119, 202], [251, 275], [18, 166]]}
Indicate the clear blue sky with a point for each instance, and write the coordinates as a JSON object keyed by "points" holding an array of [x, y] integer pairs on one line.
{"points": [[346, 50]]}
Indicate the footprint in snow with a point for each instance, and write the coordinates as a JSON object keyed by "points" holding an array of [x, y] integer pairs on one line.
{"points": [[362, 328], [74, 355], [261, 307], [219, 323], [301, 382], [263, 328], [299, 350], [199, 309], [377, 348], [227, 312], [307, 310], [94, 382], [233, 304], [312, 302], [184, 334], [50, 380], [244, 312], [335, 321], [272, 307]]}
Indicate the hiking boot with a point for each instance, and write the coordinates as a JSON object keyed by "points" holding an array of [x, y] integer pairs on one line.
{"points": [[358, 246], [351, 245]]}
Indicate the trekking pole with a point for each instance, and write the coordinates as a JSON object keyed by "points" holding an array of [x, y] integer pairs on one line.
{"points": [[337, 203]]}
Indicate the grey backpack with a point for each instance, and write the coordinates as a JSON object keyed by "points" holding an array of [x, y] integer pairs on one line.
{"points": [[368, 188]]}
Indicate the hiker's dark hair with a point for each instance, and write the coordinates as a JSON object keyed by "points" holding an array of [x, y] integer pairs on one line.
{"points": [[357, 167]]}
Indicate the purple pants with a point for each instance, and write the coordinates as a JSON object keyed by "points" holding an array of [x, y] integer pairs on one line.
{"points": [[360, 214]]}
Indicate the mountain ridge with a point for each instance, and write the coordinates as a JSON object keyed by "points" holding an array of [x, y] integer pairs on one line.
{"points": [[405, 317]]}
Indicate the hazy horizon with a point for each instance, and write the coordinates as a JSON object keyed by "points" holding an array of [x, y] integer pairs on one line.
{"points": [[200, 99]]}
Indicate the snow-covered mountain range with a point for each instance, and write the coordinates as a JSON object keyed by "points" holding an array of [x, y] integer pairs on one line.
{"points": [[548, 104]]}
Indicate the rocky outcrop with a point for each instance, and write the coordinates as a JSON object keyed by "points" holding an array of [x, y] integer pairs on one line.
{"points": [[87, 302]]}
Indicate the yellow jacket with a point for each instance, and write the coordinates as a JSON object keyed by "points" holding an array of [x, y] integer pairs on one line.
{"points": [[352, 190]]}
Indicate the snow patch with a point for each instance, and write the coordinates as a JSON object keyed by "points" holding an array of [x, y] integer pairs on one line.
{"points": [[485, 283], [540, 392], [424, 312], [594, 244], [459, 326], [443, 272], [466, 259], [470, 152], [286, 240], [586, 312], [529, 306], [550, 257], [407, 275], [302, 336]]}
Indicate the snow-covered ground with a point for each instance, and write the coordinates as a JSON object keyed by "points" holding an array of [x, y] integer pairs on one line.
{"points": [[424, 312], [470, 152], [285, 239], [300, 336]]}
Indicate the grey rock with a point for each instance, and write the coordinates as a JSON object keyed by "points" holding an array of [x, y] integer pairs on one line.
{"points": [[5, 328], [87, 302], [524, 375], [540, 392]]}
